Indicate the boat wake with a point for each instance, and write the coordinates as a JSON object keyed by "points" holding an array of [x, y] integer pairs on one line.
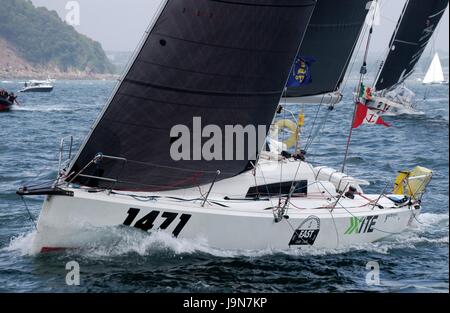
{"points": [[438, 100], [404, 111], [42, 109], [120, 241]]}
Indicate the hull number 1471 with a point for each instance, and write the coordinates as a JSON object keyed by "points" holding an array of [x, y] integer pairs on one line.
{"points": [[147, 222]]}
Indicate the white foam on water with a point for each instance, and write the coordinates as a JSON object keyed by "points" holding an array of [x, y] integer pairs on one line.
{"points": [[404, 111], [123, 241], [431, 219], [21, 244], [42, 109], [436, 100]]}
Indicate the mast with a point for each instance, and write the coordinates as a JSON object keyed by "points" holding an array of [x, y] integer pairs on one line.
{"points": [[363, 72]]}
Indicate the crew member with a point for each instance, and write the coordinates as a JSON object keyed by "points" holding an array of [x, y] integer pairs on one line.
{"points": [[368, 94], [12, 97]]}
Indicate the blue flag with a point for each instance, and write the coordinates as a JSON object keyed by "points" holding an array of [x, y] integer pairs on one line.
{"points": [[301, 72]]}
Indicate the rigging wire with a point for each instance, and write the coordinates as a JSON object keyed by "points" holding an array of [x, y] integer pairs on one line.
{"points": [[265, 183], [335, 228], [308, 144], [343, 87], [281, 167], [30, 216], [363, 73], [350, 213], [432, 52], [365, 28], [311, 137], [319, 130]]}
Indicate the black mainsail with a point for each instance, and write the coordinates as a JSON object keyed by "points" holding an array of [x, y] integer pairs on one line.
{"points": [[225, 61], [329, 44], [414, 30]]}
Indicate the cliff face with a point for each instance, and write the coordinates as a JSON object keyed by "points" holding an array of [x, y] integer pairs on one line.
{"points": [[10, 61], [33, 40]]}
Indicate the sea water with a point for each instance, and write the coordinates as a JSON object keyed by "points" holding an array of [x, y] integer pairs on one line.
{"points": [[125, 260]]}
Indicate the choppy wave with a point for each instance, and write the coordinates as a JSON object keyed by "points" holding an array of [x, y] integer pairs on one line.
{"points": [[21, 244], [405, 112], [435, 100]]}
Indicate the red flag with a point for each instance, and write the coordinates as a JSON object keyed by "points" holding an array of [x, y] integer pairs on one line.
{"points": [[364, 115]]}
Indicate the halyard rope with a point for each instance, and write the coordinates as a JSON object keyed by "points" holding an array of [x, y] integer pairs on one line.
{"points": [[363, 72]]}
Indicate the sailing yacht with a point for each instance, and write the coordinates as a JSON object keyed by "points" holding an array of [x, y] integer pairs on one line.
{"points": [[435, 75], [414, 30], [155, 160]]}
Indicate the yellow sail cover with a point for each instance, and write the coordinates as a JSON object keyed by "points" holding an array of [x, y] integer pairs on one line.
{"points": [[413, 183]]}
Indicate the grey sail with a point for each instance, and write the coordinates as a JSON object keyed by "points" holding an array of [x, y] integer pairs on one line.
{"points": [[414, 30], [329, 44], [225, 62]]}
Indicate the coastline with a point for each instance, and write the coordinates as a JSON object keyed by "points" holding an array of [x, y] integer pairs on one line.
{"points": [[44, 74], [13, 67]]}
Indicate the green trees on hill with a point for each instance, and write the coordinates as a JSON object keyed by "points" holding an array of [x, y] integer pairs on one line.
{"points": [[41, 37]]}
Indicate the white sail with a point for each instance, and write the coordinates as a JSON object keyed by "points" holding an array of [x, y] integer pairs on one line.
{"points": [[435, 75]]}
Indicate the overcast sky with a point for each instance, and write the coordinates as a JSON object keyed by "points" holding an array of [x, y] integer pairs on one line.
{"points": [[119, 24]]}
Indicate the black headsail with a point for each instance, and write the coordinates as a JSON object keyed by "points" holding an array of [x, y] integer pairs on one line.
{"points": [[414, 30], [329, 43], [224, 61]]}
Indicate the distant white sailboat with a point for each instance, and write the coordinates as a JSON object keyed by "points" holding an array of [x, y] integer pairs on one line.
{"points": [[435, 75]]}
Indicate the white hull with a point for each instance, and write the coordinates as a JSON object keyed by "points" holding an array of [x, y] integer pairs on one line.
{"points": [[247, 225], [445, 83], [396, 102], [387, 107], [320, 220], [38, 89], [326, 99]]}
